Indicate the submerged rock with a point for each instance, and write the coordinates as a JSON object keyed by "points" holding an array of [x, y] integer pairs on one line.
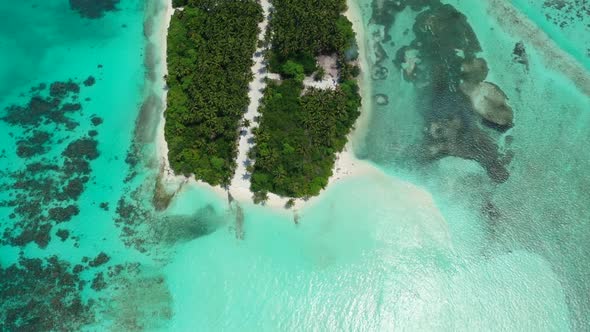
{"points": [[411, 59], [520, 55], [98, 283], [96, 120], [490, 102], [475, 70], [63, 234]]}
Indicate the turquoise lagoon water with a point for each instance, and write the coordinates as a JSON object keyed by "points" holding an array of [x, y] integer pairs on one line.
{"points": [[105, 58], [567, 22], [412, 246], [44, 42]]}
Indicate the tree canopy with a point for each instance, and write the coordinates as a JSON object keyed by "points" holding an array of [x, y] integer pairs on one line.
{"points": [[300, 133], [310, 27], [299, 136], [210, 45]]}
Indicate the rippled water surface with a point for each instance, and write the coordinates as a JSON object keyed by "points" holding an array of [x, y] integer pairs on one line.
{"points": [[464, 224]]}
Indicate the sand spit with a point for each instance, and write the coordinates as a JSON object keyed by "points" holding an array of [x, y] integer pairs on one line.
{"points": [[522, 28]]}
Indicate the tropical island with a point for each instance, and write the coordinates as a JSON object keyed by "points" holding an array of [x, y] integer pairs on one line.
{"points": [[310, 99]]}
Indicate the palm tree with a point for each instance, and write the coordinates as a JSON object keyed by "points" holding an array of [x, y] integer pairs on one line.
{"points": [[280, 175]]}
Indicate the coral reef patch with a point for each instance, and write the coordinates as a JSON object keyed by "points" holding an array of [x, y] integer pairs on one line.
{"points": [[460, 109], [93, 9], [42, 295], [45, 190], [564, 12]]}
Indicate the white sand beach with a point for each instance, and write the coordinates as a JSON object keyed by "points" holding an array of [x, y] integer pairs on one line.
{"points": [[162, 145]]}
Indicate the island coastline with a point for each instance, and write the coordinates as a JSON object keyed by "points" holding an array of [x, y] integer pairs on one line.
{"points": [[346, 164]]}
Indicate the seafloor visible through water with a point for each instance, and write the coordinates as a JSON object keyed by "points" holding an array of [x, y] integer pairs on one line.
{"points": [[477, 216]]}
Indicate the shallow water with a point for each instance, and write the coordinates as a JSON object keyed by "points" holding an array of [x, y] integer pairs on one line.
{"points": [[48, 42], [541, 210], [415, 245]]}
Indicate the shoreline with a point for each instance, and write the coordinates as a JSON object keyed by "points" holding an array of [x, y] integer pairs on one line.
{"points": [[346, 164], [359, 131], [161, 144], [170, 180]]}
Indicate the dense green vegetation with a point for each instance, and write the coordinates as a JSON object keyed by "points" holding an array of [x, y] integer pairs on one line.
{"points": [[298, 137], [300, 134], [210, 45], [302, 29]]}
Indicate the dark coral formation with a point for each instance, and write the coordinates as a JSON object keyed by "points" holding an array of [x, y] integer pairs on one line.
{"points": [[98, 283], [104, 206], [144, 226], [130, 214], [99, 260], [61, 214], [457, 104], [564, 12], [42, 111], [42, 196], [61, 89], [96, 121], [89, 81], [63, 234], [42, 295], [73, 189], [82, 148], [44, 192], [384, 12], [33, 144], [45, 294], [93, 9]]}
